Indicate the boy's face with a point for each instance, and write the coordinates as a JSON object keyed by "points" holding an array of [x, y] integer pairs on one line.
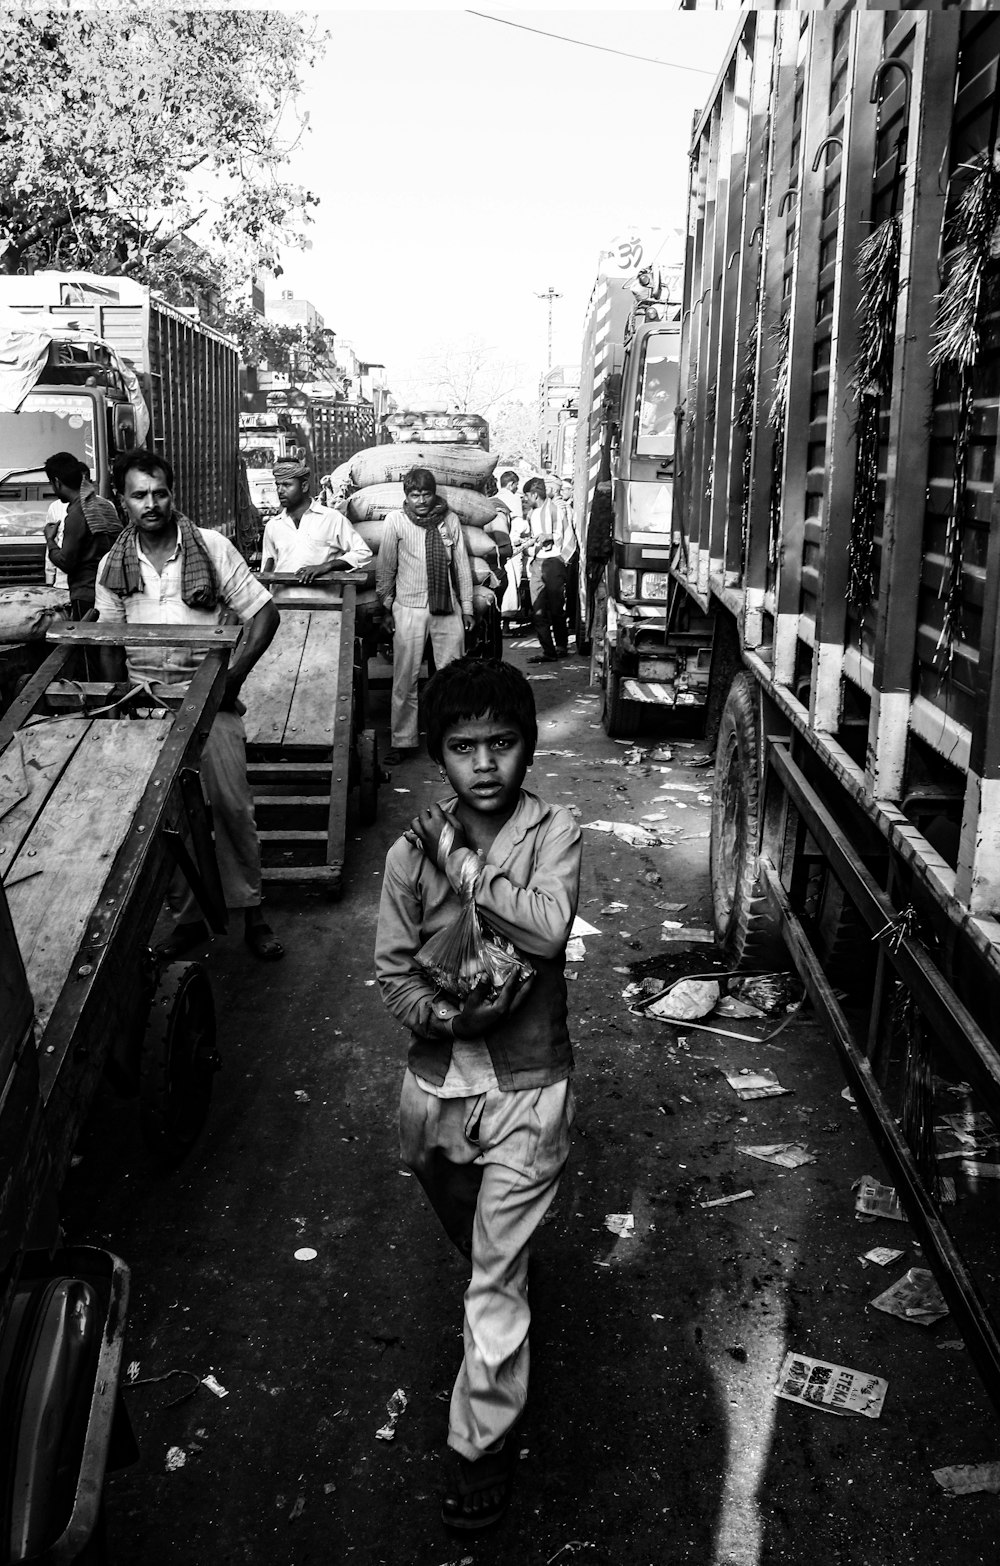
{"points": [[485, 760]]}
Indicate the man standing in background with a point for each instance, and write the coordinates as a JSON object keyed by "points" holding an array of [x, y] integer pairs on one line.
{"points": [[553, 545], [89, 528], [306, 539]]}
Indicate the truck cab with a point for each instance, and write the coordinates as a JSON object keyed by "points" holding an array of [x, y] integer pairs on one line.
{"points": [[645, 652], [78, 404]]}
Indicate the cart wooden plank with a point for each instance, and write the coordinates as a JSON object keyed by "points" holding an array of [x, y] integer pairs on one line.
{"points": [[270, 686], [73, 844], [45, 749], [311, 718]]}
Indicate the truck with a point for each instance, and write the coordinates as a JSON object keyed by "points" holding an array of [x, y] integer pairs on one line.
{"points": [[647, 649], [102, 328], [836, 526], [325, 431]]}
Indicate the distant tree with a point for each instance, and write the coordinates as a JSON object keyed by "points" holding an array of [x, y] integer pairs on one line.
{"points": [[302, 355], [514, 432], [125, 127], [470, 377]]}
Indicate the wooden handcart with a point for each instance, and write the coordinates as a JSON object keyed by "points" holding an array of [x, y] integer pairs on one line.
{"points": [[307, 744], [100, 810]]}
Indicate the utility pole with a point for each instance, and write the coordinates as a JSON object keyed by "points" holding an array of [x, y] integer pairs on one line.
{"points": [[551, 295]]}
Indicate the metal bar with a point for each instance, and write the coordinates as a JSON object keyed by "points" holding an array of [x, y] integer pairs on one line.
{"points": [[945, 1012], [343, 736], [936, 53], [209, 893], [24, 705], [854, 208], [965, 1301]]}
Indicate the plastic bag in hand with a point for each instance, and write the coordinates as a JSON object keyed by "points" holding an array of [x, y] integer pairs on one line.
{"points": [[468, 952]]}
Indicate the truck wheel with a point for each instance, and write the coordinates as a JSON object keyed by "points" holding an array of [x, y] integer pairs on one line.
{"points": [[368, 777], [746, 926], [619, 716], [178, 1061]]}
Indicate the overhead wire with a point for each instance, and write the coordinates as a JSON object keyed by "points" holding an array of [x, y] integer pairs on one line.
{"points": [[584, 43]]}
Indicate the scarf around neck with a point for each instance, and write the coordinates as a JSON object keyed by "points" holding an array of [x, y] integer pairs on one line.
{"points": [[199, 583], [435, 554]]}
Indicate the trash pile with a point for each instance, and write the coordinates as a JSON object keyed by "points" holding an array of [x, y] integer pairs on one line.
{"points": [[686, 1001], [371, 483]]}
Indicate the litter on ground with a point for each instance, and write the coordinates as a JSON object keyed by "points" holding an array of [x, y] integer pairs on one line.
{"points": [[755, 1084], [622, 1224], [969, 1478], [214, 1386], [176, 1458], [614, 908], [394, 1408], [834, 1388], [634, 836], [576, 951], [882, 1255], [914, 1297], [787, 1155], [726, 1201], [686, 1000], [874, 1200], [581, 927]]}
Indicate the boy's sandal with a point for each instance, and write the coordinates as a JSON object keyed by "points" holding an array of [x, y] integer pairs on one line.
{"points": [[482, 1491]]}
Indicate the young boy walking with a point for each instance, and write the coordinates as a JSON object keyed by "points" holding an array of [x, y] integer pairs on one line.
{"points": [[486, 1105]]}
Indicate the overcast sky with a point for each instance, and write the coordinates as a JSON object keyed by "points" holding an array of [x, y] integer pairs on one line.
{"points": [[465, 165]]}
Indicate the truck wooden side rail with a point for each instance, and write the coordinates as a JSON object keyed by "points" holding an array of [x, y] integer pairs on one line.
{"points": [[837, 512]]}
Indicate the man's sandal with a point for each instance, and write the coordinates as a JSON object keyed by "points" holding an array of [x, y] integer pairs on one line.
{"points": [[481, 1493], [263, 942], [182, 938]]}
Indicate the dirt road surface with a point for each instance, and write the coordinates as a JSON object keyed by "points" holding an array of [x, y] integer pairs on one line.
{"points": [[653, 1435]]}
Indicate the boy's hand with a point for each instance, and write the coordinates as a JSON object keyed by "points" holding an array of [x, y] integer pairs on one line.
{"points": [[479, 1015], [429, 825]]}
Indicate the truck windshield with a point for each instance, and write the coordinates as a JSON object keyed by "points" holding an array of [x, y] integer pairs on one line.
{"points": [[259, 456], [44, 425], [658, 377]]}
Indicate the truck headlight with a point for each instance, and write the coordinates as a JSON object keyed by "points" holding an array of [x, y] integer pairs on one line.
{"points": [[628, 582], [655, 584]]}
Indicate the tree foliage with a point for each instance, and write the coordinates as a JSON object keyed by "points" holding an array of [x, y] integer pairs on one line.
{"points": [[127, 129], [514, 432], [468, 376]]}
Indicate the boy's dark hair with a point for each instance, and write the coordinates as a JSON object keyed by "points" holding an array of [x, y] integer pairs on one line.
{"points": [[69, 470], [140, 461], [419, 478], [536, 486], [476, 688], [507, 476]]}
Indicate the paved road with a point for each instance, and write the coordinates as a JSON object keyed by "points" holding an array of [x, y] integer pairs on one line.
{"points": [[653, 1435]]}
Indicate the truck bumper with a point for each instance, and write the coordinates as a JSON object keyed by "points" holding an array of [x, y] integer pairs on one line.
{"points": [[657, 668]]}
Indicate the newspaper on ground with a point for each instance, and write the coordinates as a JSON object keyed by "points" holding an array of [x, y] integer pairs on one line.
{"points": [[634, 836], [969, 1478], [974, 1129], [581, 927], [576, 951], [914, 1297], [874, 1200], [837, 1389], [787, 1155], [622, 1224], [882, 1255], [755, 1084], [688, 933]]}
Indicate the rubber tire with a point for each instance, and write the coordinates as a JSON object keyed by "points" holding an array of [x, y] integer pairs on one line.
{"points": [[368, 777], [621, 717], [747, 928], [178, 1061]]}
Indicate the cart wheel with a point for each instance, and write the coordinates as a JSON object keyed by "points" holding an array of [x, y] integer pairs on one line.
{"points": [[368, 777], [178, 1060]]}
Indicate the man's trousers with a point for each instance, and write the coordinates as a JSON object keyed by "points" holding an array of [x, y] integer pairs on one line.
{"points": [[226, 786], [413, 626], [548, 603]]}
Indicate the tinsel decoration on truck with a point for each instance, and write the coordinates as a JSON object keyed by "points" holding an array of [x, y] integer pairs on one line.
{"points": [[957, 341]]}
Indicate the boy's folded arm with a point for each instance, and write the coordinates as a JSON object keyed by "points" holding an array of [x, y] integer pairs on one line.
{"points": [[536, 917], [406, 991]]}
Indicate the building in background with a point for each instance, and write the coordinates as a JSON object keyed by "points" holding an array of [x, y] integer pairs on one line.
{"points": [[557, 394]]}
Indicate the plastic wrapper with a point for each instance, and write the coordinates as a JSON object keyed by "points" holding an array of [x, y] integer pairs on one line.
{"points": [[468, 952]]}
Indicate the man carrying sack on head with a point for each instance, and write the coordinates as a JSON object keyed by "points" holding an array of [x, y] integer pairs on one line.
{"points": [[424, 584]]}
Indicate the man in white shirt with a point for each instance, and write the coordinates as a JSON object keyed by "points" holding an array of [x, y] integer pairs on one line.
{"points": [[163, 570], [553, 545], [306, 539]]}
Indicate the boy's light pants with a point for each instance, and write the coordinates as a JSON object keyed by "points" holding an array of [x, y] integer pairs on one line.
{"points": [[413, 626], [491, 1167]]}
